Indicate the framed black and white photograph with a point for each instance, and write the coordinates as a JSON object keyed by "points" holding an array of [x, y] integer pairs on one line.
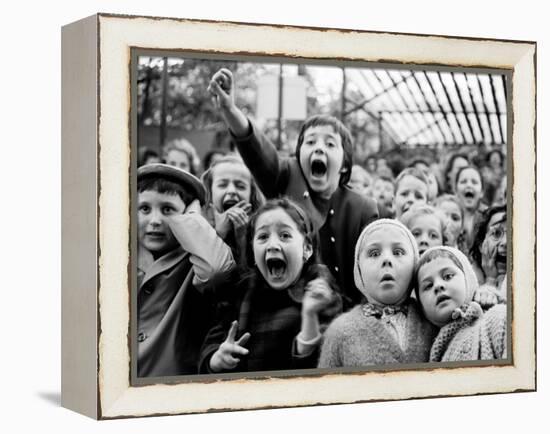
{"points": [[290, 216]]}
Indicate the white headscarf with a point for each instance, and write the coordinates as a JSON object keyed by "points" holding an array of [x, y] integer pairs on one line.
{"points": [[360, 282], [469, 274]]}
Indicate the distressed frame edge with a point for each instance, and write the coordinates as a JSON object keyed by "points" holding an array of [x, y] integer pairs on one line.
{"points": [[530, 383], [79, 139]]}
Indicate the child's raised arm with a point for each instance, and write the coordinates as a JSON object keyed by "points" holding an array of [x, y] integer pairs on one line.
{"points": [[257, 152], [222, 88]]}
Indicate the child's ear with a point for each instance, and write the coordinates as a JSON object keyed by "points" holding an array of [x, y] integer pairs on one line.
{"points": [[308, 251]]}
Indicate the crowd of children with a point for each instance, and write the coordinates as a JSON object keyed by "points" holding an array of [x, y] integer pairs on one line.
{"points": [[275, 263]]}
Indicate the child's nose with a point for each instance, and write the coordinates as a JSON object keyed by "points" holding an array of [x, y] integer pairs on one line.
{"points": [[155, 216]]}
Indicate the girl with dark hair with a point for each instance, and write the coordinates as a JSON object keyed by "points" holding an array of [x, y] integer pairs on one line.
{"points": [[273, 317]]}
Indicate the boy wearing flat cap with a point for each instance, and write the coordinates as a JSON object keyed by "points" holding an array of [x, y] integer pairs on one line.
{"points": [[178, 252]]}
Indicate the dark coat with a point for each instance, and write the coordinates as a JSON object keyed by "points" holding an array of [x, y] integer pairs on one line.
{"points": [[174, 308], [272, 317], [339, 219]]}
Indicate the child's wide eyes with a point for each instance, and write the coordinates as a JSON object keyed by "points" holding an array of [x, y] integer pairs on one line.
{"points": [[448, 276], [373, 253], [398, 252], [145, 209]]}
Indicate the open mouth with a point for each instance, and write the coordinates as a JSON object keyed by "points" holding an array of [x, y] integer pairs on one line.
{"points": [[500, 259], [387, 278], [276, 267], [421, 250], [469, 194], [441, 298], [318, 168], [228, 203]]}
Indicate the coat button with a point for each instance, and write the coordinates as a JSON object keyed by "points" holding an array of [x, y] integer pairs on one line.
{"points": [[141, 337], [336, 269], [331, 212], [332, 239], [306, 194]]}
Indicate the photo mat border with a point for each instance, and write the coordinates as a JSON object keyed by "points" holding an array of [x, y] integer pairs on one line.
{"points": [[135, 54]]}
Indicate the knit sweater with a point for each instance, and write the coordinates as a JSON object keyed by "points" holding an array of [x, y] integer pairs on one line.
{"points": [[356, 340], [472, 336]]}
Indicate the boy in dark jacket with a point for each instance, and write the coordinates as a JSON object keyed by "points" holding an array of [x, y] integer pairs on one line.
{"points": [[178, 252]]}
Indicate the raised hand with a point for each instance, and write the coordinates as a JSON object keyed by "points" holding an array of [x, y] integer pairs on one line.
{"points": [[194, 206], [228, 354], [318, 295], [221, 88], [486, 296]]}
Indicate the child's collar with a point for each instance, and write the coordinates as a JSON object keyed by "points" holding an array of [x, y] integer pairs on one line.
{"points": [[378, 311]]}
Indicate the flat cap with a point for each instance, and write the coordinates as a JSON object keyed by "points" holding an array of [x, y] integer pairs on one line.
{"points": [[174, 174]]}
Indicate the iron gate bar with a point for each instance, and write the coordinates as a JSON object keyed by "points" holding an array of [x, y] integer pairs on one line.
{"points": [[485, 108], [461, 101], [441, 108], [383, 102], [463, 136], [392, 134], [497, 109], [407, 106], [474, 108], [427, 126], [437, 123], [375, 96], [390, 97], [360, 107]]}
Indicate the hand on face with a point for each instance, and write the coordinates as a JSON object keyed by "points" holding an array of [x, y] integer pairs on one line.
{"points": [[228, 355], [494, 248], [155, 211], [235, 218]]}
